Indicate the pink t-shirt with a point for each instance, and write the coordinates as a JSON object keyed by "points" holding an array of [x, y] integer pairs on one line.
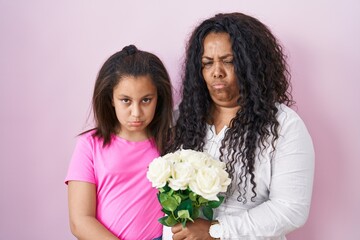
{"points": [[126, 202]]}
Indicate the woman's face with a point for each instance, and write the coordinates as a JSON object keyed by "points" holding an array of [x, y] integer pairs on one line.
{"points": [[218, 70]]}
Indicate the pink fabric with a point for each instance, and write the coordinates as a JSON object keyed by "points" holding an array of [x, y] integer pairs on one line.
{"points": [[126, 203]]}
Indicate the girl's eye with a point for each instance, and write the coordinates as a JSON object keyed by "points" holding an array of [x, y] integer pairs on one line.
{"points": [[146, 100], [125, 100]]}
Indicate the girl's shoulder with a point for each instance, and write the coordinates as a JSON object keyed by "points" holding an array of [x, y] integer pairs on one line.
{"points": [[89, 137], [90, 134]]}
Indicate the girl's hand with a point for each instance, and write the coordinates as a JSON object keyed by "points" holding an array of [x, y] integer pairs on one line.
{"points": [[197, 230]]}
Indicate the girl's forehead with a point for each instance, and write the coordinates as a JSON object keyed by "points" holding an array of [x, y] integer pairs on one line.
{"points": [[133, 77], [135, 84]]}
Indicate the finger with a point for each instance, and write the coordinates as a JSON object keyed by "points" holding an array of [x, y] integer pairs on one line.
{"points": [[176, 228], [179, 236]]}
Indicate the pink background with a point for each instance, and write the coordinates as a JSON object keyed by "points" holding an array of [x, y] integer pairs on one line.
{"points": [[50, 52]]}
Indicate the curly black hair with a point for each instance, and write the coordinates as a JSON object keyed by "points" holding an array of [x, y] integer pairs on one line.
{"points": [[264, 81]]}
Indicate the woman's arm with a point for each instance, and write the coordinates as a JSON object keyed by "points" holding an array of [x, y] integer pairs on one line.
{"points": [[292, 172], [290, 189], [82, 210]]}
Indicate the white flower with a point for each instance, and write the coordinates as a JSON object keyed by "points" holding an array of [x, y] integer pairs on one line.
{"points": [[181, 175], [173, 158], [224, 179], [207, 183], [197, 159], [193, 171], [159, 172], [188, 168]]}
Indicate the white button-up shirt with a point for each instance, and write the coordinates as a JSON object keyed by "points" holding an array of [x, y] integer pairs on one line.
{"points": [[283, 184]]}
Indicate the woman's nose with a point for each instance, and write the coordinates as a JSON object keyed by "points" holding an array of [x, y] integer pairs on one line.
{"points": [[218, 70]]}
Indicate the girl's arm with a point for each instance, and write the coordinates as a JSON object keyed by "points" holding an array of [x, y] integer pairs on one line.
{"points": [[82, 209]]}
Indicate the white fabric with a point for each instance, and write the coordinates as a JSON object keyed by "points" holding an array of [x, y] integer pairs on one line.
{"points": [[167, 234], [284, 185]]}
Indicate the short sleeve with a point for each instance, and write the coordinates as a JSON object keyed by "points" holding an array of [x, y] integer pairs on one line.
{"points": [[81, 167]]}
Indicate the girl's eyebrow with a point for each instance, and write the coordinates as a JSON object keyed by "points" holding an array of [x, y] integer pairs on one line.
{"points": [[126, 96], [149, 95]]}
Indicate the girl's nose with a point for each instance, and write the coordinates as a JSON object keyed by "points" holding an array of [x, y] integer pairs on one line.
{"points": [[135, 110]]}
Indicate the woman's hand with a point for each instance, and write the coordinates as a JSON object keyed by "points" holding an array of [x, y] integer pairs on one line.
{"points": [[197, 230]]}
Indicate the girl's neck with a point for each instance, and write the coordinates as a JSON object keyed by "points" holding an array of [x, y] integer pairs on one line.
{"points": [[133, 136]]}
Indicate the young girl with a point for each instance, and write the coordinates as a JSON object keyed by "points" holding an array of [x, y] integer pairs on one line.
{"points": [[109, 195]]}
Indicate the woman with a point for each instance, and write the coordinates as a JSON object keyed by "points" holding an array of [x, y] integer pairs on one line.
{"points": [[236, 106]]}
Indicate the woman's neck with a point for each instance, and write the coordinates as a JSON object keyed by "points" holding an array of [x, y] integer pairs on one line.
{"points": [[222, 116]]}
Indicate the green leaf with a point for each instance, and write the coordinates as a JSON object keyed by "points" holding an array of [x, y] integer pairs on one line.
{"points": [[163, 220], [171, 221], [166, 211], [186, 205], [193, 196], [215, 204], [170, 204], [162, 197], [184, 214], [196, 212], [184, 194], [168, 221], [183, 223], [202, 200], [177, 198], [166, 188], [208, 212]]}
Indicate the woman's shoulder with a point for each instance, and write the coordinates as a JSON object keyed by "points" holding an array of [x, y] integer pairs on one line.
{"points": [[286, 113], [290, 120]]}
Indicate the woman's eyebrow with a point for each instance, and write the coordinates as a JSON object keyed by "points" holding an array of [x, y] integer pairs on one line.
{"points": [[221, 57]]}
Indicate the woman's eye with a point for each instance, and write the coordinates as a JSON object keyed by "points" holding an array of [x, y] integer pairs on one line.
{"points": [[206, 64], [228, 61]]}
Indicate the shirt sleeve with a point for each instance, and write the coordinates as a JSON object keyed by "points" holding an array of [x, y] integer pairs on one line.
{"points": [[292, 172], [81, 167]]}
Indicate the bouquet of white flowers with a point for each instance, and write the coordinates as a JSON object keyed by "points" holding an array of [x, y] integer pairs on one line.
{"points": [[188, 182]]}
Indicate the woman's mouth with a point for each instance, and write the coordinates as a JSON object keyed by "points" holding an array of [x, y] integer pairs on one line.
{"points": [[218, 85]]}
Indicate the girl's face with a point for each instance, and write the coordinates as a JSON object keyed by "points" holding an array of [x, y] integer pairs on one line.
{"points": [[218, 69], [134, 100]]}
